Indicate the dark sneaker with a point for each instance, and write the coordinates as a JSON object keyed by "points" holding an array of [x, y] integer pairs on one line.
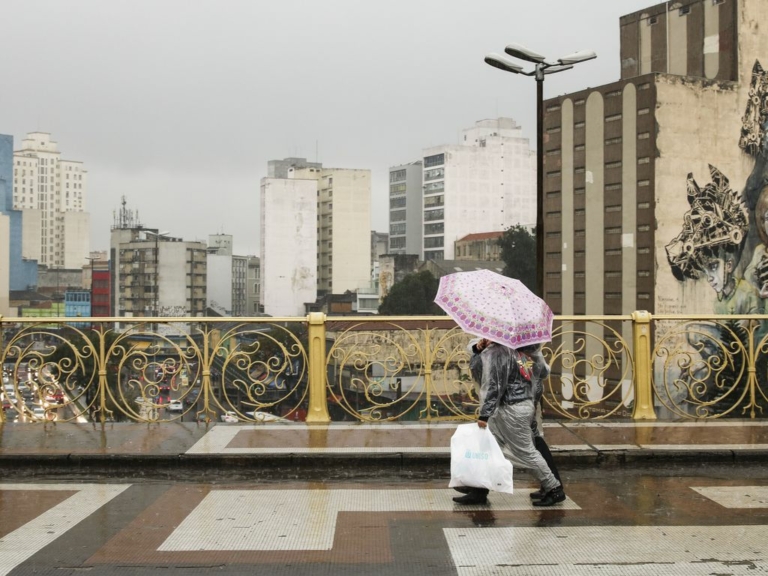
{"points": [[463, 489], [475, 497], [551, 498], [538, 495]]}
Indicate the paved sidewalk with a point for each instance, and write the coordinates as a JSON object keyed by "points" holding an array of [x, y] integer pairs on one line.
{"points": [[420, 449]]}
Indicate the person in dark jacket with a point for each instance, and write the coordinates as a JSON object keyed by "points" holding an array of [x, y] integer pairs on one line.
{"points": [[507, 395]]}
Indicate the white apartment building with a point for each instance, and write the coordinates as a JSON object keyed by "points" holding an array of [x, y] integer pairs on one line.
{"points": [[485, 183], [343, 227], [51, 193], [405, 209], [288, 245]]}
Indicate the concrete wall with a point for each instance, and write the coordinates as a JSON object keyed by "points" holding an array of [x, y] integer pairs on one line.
{"points": [[289, 245], [351, 232], [76, 243]]}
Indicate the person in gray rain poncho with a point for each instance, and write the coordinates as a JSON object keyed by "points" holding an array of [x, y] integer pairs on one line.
{"points": [[510, 383]]}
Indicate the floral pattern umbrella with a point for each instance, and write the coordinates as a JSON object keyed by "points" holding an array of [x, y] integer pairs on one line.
{"points": [[493, 306]]}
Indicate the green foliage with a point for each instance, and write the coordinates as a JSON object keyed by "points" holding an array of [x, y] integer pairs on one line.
{"points": [[518, 251], [414, 295]]}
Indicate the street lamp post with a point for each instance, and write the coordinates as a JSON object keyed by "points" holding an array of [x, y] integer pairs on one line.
{"points": [[542, 67]]}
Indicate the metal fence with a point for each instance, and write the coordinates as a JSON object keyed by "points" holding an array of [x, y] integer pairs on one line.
{"points": [[321, 369]]}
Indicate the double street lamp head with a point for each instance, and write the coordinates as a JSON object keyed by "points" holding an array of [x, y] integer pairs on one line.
{"points": [[543, 66]]}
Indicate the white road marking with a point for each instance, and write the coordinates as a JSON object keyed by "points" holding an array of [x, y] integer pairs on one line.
{"points": [[736, 496], [36, 534], [306, 519], [610, 550]]}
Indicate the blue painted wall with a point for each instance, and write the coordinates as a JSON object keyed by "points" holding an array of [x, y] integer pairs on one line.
{"points": [[23, 273]]}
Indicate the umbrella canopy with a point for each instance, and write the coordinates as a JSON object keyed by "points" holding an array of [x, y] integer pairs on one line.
{"points": [[493, 306]]}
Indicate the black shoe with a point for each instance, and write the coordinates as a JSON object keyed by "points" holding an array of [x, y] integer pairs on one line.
{"points": [[463, 489], [474, 497], [552, 497], [538, 495]]}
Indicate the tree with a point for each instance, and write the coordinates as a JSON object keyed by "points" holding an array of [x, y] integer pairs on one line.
{"points": [[518, 251], [414, 295]]}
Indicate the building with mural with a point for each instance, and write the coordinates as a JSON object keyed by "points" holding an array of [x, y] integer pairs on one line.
{"points": [[655, 185]]}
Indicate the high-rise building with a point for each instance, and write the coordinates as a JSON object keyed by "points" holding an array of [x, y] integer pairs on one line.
{"points": [[485, 183], [343, 227], [288, 245], [405, 209], [51, 193], [153, 274]]}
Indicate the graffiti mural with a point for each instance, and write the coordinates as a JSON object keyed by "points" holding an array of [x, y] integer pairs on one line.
{"points": [[722, 364]]}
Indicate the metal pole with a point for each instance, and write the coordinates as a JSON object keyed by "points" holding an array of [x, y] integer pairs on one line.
{"points": [[540, 180], [157, 259]]}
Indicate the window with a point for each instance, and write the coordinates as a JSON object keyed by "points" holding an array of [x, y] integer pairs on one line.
{"points": [[434, 187], [436, 160], [396, 189], [438, 228], [434, 174], [395, 243], [397, 229], [434, 255], [397, 216], [431, 201], [431, 215], [435, 242], [397, 202], [397, 175]]}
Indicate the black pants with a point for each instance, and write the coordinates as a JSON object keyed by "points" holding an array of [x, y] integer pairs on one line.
{"points": [[543, 449]]}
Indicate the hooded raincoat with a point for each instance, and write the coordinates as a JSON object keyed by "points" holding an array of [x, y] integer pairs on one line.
{"points": [[511, 381]]}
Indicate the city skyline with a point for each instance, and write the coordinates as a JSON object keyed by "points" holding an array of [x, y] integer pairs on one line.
{"points": [[197, 107]]}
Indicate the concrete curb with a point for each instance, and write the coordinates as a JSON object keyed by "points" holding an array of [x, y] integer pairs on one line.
{"points": [[195, 467]]}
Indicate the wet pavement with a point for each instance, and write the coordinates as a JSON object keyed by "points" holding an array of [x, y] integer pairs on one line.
{"points": [[649, 520], [290, 499]]}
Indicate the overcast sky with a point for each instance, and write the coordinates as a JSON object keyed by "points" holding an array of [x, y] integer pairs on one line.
{"points": [[179, 104]]}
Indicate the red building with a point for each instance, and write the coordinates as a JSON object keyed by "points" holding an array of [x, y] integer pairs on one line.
{"points": [[100, 291]]}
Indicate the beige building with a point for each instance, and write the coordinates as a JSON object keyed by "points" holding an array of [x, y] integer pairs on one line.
{"points": [[343, 227], [51, 193], [627, 164]]}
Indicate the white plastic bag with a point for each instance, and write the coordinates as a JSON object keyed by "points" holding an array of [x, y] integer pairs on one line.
{"points": [[477, 460]]}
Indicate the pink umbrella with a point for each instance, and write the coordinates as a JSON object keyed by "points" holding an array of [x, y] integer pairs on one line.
{"points": [[493, 306]]}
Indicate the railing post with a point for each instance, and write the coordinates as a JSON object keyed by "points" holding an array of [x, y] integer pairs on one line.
{"points": [[641, 344], [318, 399]]}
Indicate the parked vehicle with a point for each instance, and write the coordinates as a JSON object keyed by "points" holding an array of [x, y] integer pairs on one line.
{"points": [[264, 416], [229, 417], [175, 406]]}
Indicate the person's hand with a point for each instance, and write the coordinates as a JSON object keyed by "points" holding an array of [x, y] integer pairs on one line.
{"points": [[482, 423]]}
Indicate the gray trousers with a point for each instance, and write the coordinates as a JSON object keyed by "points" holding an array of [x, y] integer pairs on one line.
{"points": [[511, 426]]}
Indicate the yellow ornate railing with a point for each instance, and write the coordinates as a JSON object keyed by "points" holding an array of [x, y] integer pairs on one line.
{"points": [[319, 369]]}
